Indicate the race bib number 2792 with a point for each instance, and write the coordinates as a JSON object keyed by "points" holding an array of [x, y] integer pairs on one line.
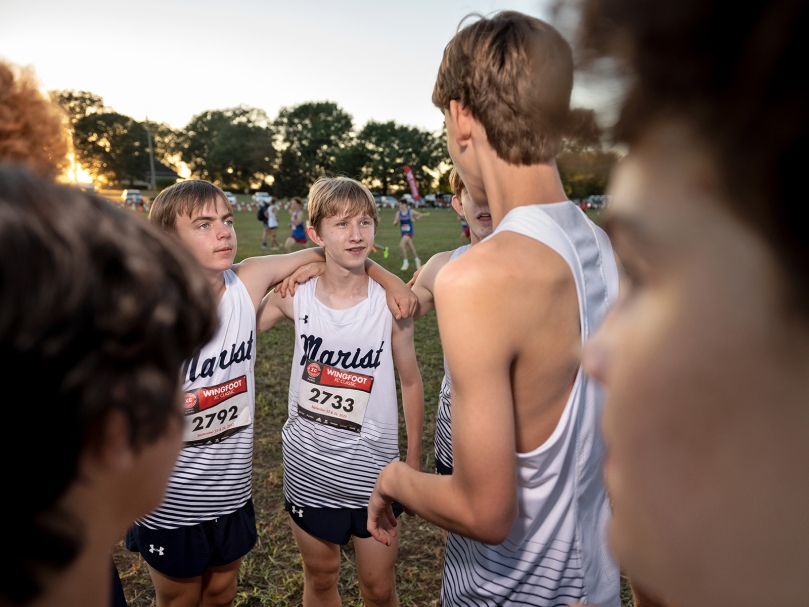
{"points": [[334, 397], [216, 412]]}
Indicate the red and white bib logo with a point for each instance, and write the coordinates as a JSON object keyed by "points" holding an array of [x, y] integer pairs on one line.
{"points": [[190, 400], [313, 369]]}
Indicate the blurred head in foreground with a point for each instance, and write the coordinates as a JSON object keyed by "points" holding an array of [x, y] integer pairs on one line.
{"points": [[706, 358], [33, 130], [98, 309]]}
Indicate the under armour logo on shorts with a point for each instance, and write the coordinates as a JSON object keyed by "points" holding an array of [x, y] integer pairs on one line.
{"points": [[299, 512], [158, 550]]}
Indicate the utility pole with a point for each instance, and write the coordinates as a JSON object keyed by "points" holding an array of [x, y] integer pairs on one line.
{"points": [[151, 153]]}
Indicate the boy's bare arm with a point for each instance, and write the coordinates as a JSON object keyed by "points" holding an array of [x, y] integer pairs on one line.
{"points": [[401, 299], [259, 273], [479, 500], [404, 357], [273, 309], [425, 283]]}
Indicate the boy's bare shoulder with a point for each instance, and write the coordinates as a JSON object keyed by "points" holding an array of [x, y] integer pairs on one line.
{"points": [[503, 262]]}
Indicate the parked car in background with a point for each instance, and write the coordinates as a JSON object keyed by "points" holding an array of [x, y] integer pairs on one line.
{"points": [[442, 200], [131, 198], [385, 202], [231, 198], [261, 197]]}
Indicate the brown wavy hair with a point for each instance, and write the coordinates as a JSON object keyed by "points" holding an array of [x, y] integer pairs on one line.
{"points": [[515, 74], [33, 129]]}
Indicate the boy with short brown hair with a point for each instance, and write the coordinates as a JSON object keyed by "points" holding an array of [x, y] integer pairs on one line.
{"points": [[526, 504]]}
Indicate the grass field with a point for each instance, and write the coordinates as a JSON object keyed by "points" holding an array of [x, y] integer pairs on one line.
{"points": [[272, 572]]}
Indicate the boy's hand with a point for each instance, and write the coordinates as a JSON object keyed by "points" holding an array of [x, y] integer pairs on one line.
{"points": [[299, 276], [412, 281], [381, 520], [401, 301]]}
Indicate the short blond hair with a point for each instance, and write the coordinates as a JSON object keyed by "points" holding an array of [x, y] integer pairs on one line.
{"points": [[332, 196], [184, 198], [456, 183]]}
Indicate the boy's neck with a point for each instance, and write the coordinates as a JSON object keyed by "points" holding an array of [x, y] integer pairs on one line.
{"points": [[509, 186], [341, 288], [216, 280]]}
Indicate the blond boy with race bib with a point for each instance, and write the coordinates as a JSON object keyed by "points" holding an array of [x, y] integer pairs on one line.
{"points": [[195, 541], [343, 414]]}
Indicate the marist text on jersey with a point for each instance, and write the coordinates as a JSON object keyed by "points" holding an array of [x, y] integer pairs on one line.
{"points": [[312, 345], [223, 361]]}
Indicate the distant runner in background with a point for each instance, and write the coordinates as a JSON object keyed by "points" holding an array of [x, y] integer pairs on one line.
{"points": [[272, 224], [297, 224], [404, 219]]}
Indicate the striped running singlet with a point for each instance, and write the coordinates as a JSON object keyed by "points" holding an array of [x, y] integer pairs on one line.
{"points": [[343, 411], [212, 476], [556, 552], [443, 417]]}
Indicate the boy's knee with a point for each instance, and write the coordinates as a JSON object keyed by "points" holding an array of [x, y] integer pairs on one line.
{"points": [[219, 592], [379, 589], [324, 578]]}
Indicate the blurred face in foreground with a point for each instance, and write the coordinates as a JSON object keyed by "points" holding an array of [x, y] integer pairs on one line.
{"points": [[706, 368]]}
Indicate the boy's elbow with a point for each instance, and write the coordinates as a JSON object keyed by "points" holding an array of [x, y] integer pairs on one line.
{"points": [[492, 525]]}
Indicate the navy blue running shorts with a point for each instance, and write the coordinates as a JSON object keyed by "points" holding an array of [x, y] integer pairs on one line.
{"points": [[188, 551], [442, 469], [335, 525]]}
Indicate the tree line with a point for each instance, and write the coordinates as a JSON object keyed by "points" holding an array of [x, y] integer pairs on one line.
{"points": [[241, 147]]}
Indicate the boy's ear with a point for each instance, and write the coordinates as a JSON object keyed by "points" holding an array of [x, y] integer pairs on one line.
{"points": [[457, 205], [314, 236], [462, 122]]}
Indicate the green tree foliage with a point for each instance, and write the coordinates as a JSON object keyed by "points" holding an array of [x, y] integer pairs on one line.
{"points": [[584, 164], [290, 177], [232, 147], [389, 146], [78, 104], [316, 132], [111, 146]]}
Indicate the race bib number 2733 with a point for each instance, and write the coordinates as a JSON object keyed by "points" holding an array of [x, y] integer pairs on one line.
{"points": [[216, 412], [334, 397]]}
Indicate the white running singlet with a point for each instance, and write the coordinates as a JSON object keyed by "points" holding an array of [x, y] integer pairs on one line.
{"points": [[343, 411], [556, 552], [443, 417], [212, 476]]}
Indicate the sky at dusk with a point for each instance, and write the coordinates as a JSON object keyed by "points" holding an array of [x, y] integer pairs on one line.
{"points": [[173, 59]]}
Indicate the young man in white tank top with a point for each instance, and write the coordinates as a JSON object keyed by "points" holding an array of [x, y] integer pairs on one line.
{"points": [[479, 219], [343, 411], [526, 505], [195, 541]]}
